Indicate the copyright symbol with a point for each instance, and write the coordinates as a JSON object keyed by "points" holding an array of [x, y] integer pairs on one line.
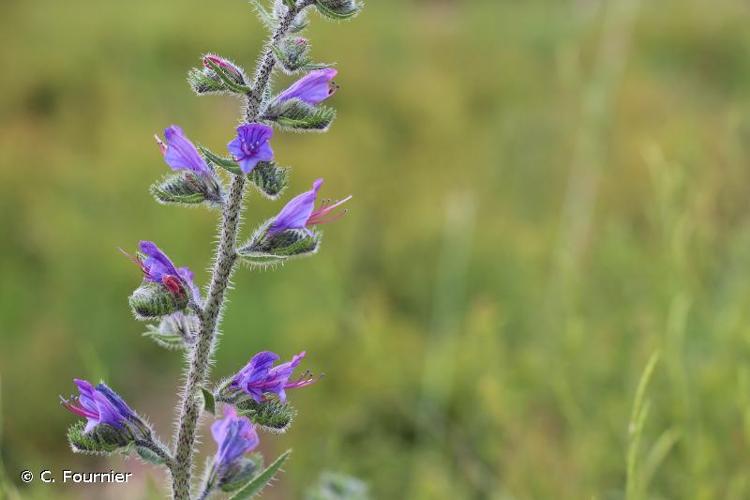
{"points": [[27, 476]]}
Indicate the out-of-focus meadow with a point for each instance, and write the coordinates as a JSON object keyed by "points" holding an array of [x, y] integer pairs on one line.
{"points": [[545, 194]]}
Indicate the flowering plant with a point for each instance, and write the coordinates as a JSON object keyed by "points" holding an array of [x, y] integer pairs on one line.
{"points": [[185, 317]]}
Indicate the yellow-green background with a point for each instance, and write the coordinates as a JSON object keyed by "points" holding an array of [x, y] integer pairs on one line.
{"points": [[545, 193]]}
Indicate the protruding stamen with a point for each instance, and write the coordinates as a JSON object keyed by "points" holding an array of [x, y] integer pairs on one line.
{"points": [[162, 146], [78, 410], [320, 216], [135, 259]]}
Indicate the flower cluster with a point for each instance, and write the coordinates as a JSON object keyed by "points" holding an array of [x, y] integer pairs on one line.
{"points": [[100, 405], [300, 212], [181, 316], [110, 423]]}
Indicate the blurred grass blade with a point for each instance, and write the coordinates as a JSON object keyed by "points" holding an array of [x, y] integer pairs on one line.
{"points": [[656, 456], [633, 488]]}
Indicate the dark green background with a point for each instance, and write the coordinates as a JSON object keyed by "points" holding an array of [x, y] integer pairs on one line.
{"points": [[545, 193]]}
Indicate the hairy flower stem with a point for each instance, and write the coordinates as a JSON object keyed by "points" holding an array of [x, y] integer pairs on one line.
{"points": [[265, 67], [226, 256], [202, 352]]}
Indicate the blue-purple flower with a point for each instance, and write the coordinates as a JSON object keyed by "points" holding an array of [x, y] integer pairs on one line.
{"points": [[100, 405], [313, 88], [158, 268], [180, 154], [260, 377], [235, 436], [300, 212], [251, 145]]}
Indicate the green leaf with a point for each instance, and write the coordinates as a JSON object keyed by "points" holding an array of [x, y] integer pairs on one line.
{"points": [[269, 178], [261, 480], [262, 260], [227, 164], [338, 9], [268, 20], [209, 403], [148, 455], [164, 339]]}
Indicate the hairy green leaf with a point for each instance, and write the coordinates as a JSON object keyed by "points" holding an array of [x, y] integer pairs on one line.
{"points": [[261, 480]]}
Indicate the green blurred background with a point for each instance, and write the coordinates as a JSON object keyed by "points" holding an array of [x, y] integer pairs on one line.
{"points": [[545, 194]]}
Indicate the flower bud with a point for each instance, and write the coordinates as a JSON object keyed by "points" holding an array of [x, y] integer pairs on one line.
{"points": [[165, 288], [235, 436], [293, 54], [296, 115], [103, 439], [234, 72], [269, 179], [176, 331], [187, 188], [338, 9], [152, 301], [218, 76], [266, 249], [271, 414]]}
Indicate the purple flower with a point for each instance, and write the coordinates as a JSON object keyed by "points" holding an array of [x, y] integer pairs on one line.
{"points": [[300, 212], [313, 88], [100, 405], [260, 377], [251, 145], [158, 268], [180, 154], [234, 436]]}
